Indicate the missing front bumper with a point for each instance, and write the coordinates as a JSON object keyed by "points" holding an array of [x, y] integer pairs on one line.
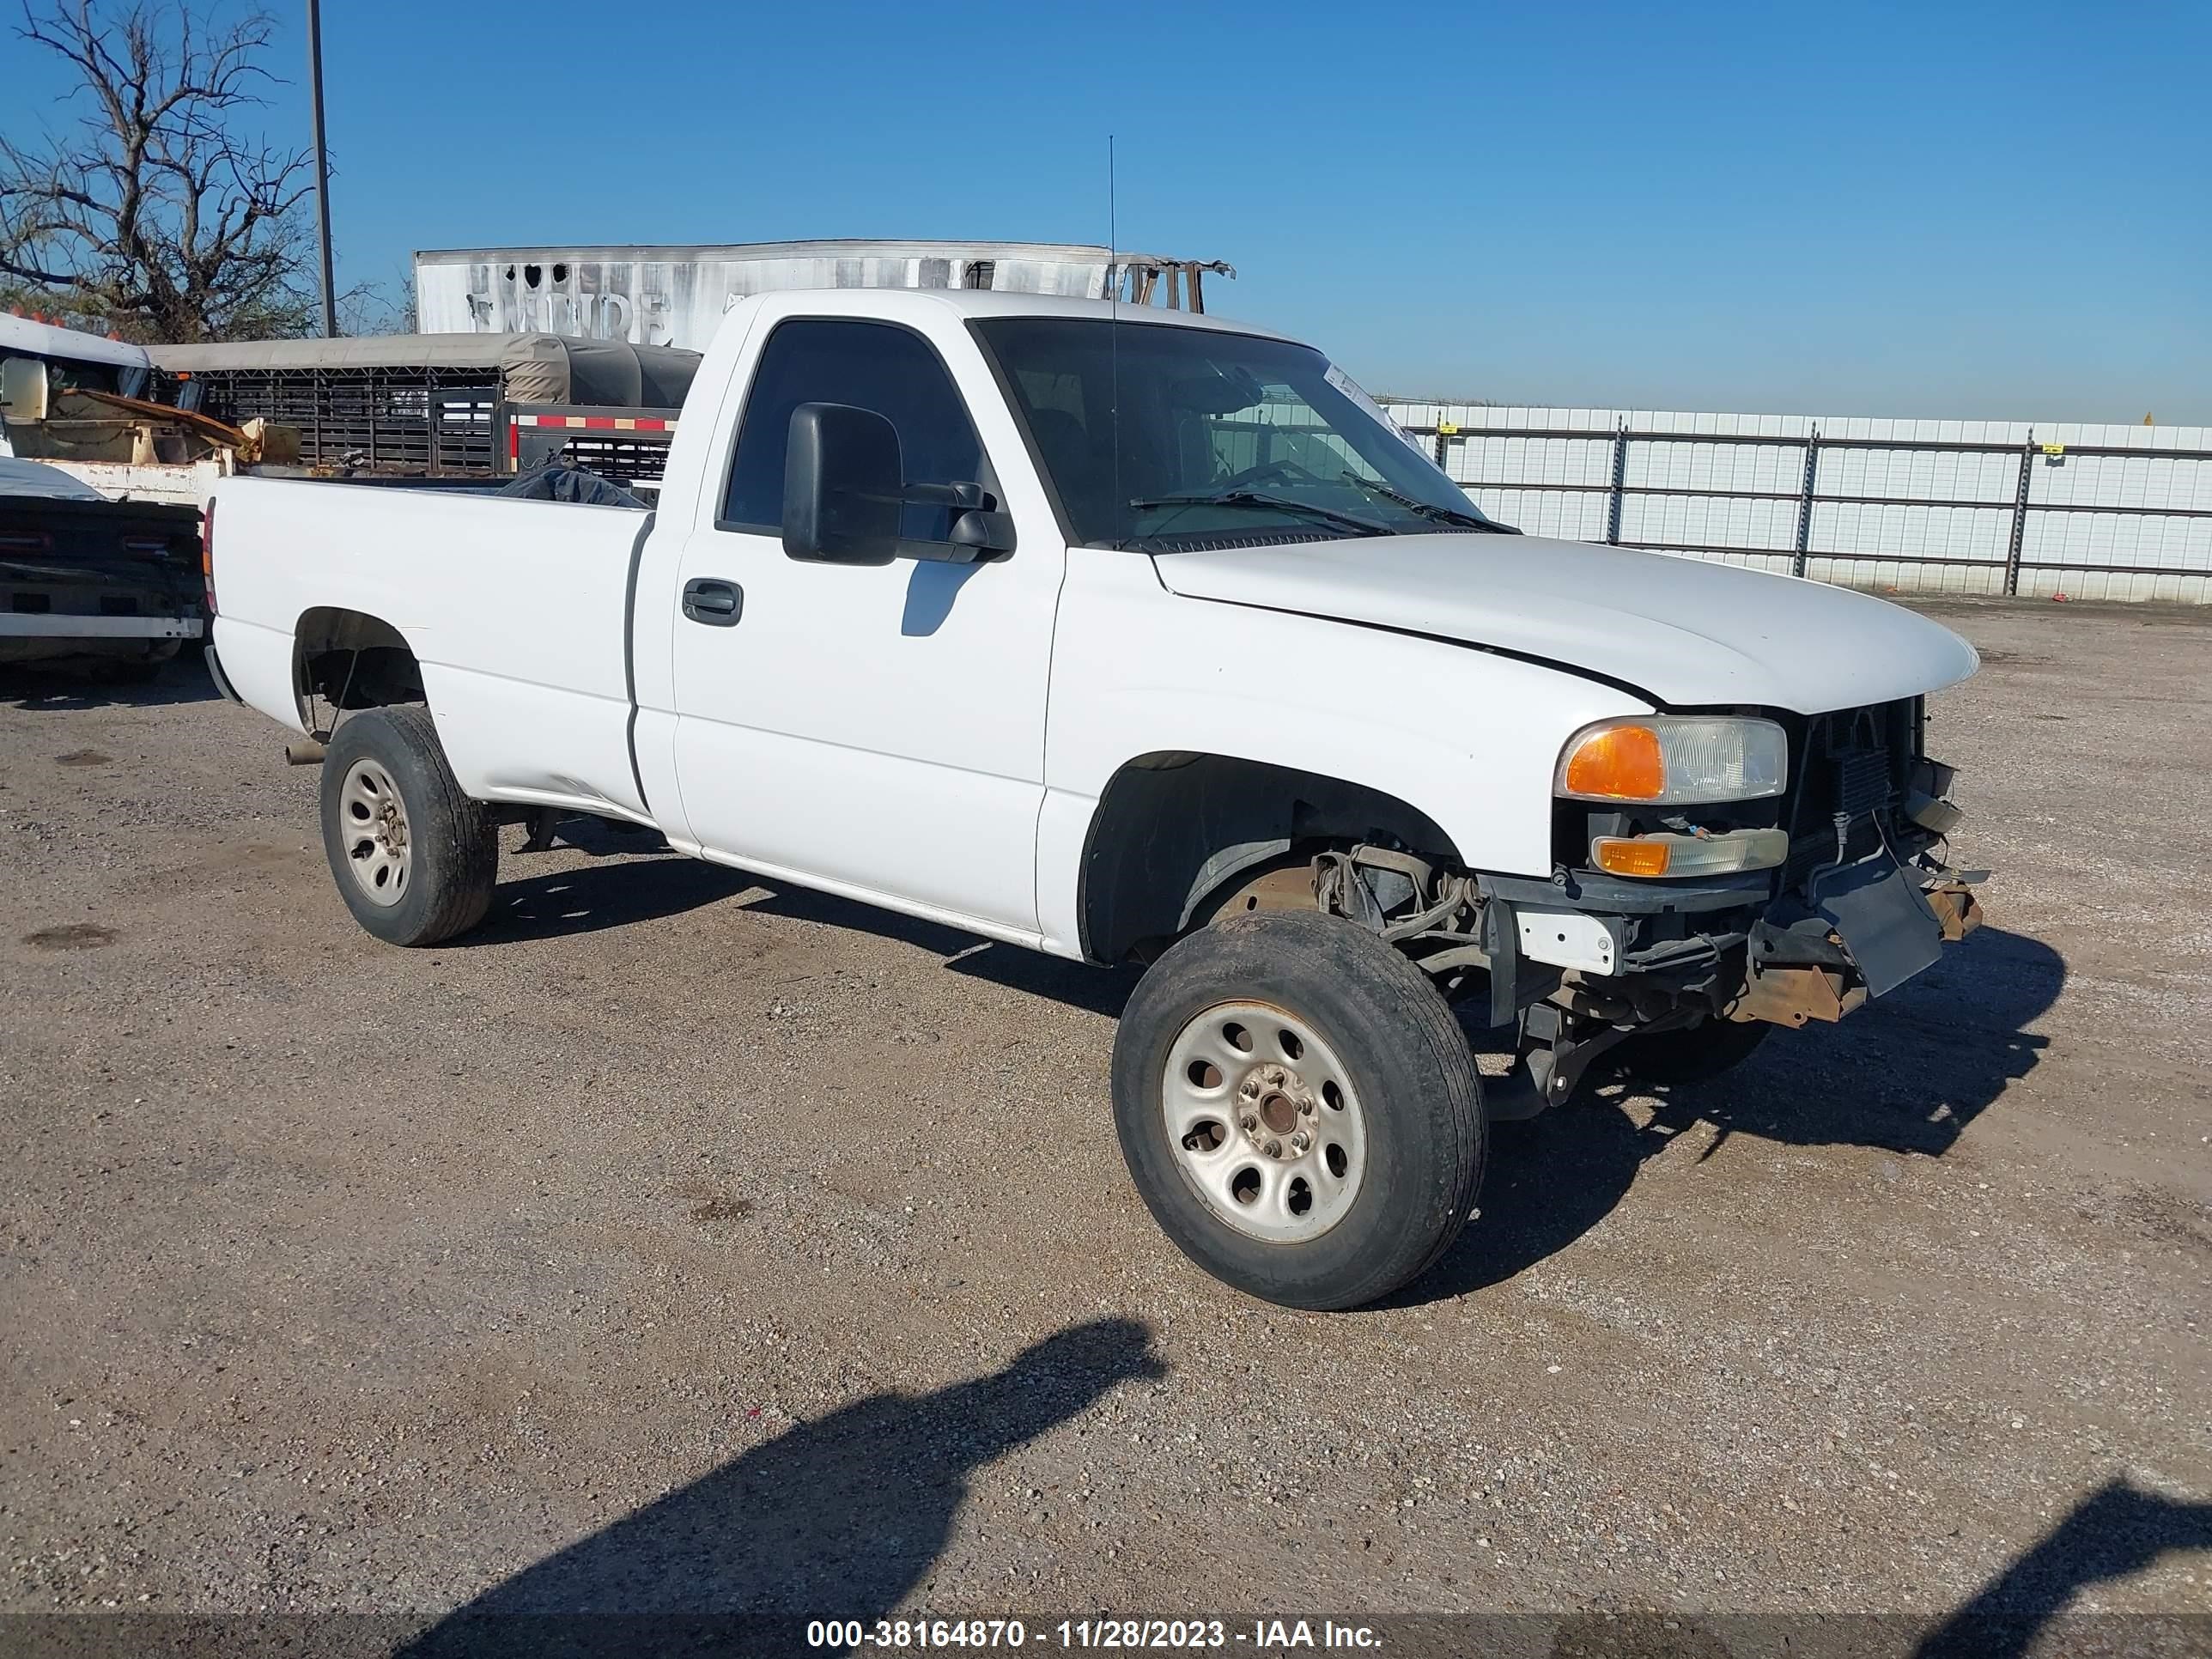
{"points": [[1788, 973], [1794, 994]]}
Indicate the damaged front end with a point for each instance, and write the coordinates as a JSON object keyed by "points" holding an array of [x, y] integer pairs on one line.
{"points": [[1827, 887]]}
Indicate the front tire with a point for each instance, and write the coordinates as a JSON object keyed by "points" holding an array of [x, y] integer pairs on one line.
{"points": [[414, 858], [1299, 1110]]}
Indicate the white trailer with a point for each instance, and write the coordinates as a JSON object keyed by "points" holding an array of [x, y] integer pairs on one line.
{"points": [[675, 295]]}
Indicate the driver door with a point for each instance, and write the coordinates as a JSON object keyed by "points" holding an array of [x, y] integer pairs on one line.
{"points": [[874, 730]]}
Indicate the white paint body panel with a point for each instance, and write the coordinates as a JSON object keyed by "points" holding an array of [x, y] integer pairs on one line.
{"points": [[937, 739], [1689, 632], [181, 483], [1467, 737], [879, 726], [513, 608]]}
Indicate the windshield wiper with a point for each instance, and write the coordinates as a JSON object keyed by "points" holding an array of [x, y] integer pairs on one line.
{"points": [[1272, 503], [1430, 510]]}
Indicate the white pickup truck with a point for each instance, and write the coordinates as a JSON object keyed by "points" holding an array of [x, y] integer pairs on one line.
{"points": [[1142, 638]]}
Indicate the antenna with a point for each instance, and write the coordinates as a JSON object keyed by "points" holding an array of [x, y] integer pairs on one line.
{"points": [[1113, 333], [1113, 229]]}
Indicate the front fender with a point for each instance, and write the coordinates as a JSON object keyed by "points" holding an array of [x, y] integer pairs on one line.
{"points": [[1466, 738]]}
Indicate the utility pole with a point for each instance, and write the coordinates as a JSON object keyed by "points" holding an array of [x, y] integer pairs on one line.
{"points": [[322, 163]]}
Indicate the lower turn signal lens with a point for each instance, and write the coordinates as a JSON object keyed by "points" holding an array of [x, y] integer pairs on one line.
{"points": [[1690, 855], [1625, 855]]}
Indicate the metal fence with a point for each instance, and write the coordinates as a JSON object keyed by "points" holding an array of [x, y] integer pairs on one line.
{"points": [[417, 419], [2082, 511]]}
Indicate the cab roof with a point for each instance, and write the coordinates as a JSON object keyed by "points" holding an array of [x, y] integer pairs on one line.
{"points": [[982, 302]]}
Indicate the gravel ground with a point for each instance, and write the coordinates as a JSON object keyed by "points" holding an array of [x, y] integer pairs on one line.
{"points": [[682, 1243]]}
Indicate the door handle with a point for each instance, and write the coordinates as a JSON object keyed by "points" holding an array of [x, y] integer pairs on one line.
{"points": [[718, 604]]}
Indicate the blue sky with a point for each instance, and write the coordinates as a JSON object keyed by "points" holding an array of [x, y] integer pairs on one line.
{"points": [[1999, 210]]}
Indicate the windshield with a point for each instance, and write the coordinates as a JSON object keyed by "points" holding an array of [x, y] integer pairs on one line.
{"points": [[1223, 439]]}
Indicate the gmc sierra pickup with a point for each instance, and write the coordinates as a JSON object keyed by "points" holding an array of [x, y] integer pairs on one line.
{"points": [[1144, 638]]}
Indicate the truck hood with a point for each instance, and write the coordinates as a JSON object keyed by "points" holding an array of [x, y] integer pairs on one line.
{"points": [[1686, 632]]}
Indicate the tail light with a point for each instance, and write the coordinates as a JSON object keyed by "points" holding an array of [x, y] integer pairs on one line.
{"points": [[207, 553]]}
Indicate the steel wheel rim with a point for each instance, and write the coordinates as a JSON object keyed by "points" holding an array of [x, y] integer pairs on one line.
{"points": [[372, 819], [1267, 1130]]}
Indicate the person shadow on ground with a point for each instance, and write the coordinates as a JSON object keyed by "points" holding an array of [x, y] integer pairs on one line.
{"points": [[838, 1518], [2114, 1532]]}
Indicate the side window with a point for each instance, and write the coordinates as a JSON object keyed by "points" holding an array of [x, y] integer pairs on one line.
{"points": [[870, 366]]}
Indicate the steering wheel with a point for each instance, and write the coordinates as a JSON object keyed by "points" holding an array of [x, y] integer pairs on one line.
{"points": [[1288, 471]]}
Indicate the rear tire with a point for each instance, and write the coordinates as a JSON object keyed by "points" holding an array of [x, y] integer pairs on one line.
{"points": [[1352, 1081], [1695, 1055], [414, 858]]}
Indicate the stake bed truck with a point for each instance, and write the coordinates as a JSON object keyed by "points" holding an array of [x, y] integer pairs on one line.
{"points": [[1144, 638]]}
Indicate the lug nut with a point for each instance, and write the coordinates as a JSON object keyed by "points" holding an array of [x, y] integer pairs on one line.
{"points": [[1300, 1141], [1305, 1108], [1251, 1125], [1274, 1148]]}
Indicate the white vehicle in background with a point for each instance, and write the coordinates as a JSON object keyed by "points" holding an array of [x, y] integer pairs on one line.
{"points": [[1138, 637], [70, 356], [86, 579]]}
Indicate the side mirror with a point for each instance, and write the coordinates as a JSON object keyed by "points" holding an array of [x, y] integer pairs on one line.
{"points": [[982, 533], [842, 479]]}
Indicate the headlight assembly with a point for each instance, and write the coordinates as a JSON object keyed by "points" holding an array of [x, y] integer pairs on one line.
{"points": [[1674, 759]]}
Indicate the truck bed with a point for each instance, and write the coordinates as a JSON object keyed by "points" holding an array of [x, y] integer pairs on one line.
{"points": [[517, 611]]}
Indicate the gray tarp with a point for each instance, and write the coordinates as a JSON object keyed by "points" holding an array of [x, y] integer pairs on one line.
{"points": [[564, 481], [47, 482], [533, 369]]}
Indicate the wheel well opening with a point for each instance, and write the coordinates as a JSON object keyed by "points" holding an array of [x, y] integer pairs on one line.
{"points": [[1173, 830], [350, 661]]}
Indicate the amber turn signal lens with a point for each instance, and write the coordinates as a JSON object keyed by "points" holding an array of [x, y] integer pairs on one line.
{"points": [[1619, 763], [1627, 855]]}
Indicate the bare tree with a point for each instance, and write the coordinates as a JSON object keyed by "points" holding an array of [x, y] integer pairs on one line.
{"points": [[379, 306], [152, 215]]}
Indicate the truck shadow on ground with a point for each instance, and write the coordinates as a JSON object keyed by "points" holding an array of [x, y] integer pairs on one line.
{"points": [[627, 888], [66, 687], [1902, 1075], [622, 888], [841, 1518], [1081, 985]]}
